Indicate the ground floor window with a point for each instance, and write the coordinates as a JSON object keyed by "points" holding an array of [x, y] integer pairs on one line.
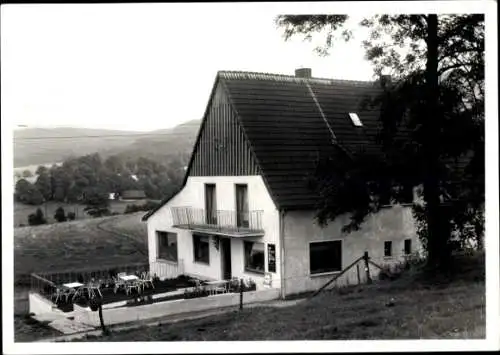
{"points": [[407, 249], [254, 257], [167, 246], [325, 256], [387, 248], [201, 248]]}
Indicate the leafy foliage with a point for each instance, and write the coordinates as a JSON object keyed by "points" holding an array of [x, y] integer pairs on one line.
{"points": [[431, 124], [27, 193]]}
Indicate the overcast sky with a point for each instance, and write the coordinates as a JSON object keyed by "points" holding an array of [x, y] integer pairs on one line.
{"points": [[142, 66]]}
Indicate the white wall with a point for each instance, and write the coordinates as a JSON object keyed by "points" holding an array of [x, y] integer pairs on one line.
{"points": [[395, 224], [193, 195]]}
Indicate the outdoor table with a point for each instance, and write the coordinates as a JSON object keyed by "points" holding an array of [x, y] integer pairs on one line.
{"points": [[129, 278], [73, 285], [214, 285], [131, 281]]}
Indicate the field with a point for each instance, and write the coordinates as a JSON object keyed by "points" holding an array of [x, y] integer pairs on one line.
{"points": [[22, 211], [408, 308], [116, 240], [79, 244]]}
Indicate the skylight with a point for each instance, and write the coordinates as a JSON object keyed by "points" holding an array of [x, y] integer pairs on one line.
{"points": [[355, 119]]}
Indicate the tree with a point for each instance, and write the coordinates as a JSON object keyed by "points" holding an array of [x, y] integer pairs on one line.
{"points": [[60, 215], [27, 193], [43, 184], [27, 173], [97, 202], [436, 100], [37, 218]]}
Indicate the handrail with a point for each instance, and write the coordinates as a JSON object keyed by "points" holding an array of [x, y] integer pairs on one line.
{"points": [[337, 276]]}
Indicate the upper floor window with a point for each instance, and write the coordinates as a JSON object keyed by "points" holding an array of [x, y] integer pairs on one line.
{"points": [[242, 214], [210, 204]]}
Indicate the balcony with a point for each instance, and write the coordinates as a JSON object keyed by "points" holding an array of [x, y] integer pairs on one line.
{"points": [[230, 223]]}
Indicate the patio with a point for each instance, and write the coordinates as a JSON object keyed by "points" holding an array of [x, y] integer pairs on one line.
{"points": [[124, 286]]}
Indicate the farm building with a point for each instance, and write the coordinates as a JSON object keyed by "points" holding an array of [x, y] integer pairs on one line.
{"points": [[133, 195], [246, 209]]}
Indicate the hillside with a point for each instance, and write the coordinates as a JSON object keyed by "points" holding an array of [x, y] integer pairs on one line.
{"points": [[34, 146]]}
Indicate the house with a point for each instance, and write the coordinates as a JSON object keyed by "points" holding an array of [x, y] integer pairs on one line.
{"points": [[133, 195], [245, 208]]}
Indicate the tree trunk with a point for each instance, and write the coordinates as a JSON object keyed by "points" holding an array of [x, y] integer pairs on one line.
{"points": [[437, 222]]}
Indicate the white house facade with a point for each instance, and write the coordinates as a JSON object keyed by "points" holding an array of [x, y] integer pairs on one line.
{"points": [[246, 210]]}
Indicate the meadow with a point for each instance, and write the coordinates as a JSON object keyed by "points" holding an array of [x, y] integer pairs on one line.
{"points": [[22, 211]]}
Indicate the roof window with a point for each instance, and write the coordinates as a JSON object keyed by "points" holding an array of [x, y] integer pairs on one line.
{"points": [[355, 119]]}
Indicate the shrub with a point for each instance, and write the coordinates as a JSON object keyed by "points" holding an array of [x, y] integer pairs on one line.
{"points": [[37, 218], [71, 216], [60, 216]]}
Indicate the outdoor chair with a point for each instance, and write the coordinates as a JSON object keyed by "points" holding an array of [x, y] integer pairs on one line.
{"points": [[63, 293], [119, 284], [146, 280], [133, 286]]}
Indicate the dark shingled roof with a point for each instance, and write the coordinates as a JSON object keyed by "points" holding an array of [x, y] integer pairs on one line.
{"points": [[291, 121]]}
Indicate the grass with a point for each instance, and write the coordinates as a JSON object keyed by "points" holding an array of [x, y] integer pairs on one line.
{"points": [[116, 240], [79, 244], [22, 211], [420, 310]]}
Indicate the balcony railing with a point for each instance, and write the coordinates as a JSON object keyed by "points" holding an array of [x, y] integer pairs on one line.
{"points": [[223, 222]]}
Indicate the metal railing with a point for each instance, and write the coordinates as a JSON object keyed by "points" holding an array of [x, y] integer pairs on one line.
{"points": [[220, 220], [46, 283]]}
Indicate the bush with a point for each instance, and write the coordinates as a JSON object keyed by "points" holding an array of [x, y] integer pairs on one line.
{"points": [[37, 218], [71, 216], [60, 215]]}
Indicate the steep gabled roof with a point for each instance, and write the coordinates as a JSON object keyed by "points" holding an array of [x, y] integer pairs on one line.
{"points": [[290, 122]]}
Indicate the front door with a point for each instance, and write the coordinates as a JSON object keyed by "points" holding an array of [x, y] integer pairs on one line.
{"points": [[225, 247]]}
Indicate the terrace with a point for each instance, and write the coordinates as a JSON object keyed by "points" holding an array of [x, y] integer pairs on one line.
{"points": [[123, 286]]}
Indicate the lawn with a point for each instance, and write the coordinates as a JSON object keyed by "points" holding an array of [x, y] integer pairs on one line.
{"points": [[419, 310]]}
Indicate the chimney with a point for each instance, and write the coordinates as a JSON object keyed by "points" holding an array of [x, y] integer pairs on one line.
{"points": [[303, 73]]}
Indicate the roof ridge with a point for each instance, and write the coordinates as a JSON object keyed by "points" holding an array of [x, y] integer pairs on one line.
{"points": [[274, 76]]}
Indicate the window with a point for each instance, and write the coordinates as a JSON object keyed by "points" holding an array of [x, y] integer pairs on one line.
{"points": [[210, 204], [355, 119], [201, 248], [325, 256], [254, 257], [407, 249], [167, 246], [242, 206], [388, 248]]}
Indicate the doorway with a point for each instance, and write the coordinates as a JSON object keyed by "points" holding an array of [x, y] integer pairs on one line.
{"points": [[225, 246]]}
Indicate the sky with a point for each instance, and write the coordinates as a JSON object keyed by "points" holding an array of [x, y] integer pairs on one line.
{"points": [[143, 66]]}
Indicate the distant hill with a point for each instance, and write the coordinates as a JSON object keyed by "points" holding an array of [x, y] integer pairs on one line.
{"points": [[164, 145], [35, 146]]}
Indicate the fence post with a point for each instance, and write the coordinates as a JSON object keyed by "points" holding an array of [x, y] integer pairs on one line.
{"points": [[367, 268], [359, 276], [241, 294]]}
